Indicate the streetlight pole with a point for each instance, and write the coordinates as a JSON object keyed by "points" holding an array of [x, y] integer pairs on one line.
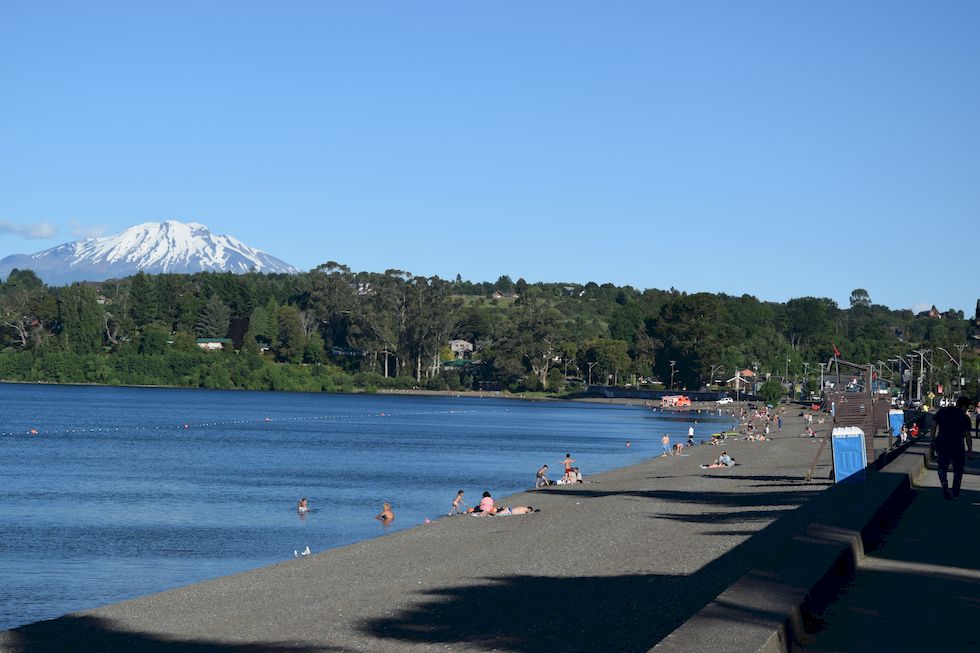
{"points": [[902, 359], [922, 369], [591, 364], [957, 363], [672, 364], [786, 373]]}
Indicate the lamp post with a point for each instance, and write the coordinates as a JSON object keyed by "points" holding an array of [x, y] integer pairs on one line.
{"points": [[922, 362], [957, 363], [901, 359], [672, 364], [786, 373]]}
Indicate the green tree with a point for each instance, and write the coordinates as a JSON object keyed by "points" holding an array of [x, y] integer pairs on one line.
{"points": [[291, 341], [860, 297], [22, 299], [154, 341], [81, 319], [143, 301], [772, 391], [213, 319]]}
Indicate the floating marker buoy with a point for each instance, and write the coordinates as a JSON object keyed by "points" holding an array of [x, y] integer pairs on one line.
{"points": [[186, 427], [268, 419], [33, 431]]}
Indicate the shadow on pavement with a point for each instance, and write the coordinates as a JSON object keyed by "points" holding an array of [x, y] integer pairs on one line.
{"points": [[925, 566], [91, 635]]}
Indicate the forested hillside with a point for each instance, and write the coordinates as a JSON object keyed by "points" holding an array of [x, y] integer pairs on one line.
{"points": [[333, 328]]}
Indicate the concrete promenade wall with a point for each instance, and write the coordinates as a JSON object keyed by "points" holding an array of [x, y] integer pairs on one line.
{"points": [[766, 609]]}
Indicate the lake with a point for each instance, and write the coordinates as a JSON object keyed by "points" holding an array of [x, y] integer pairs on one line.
{"points": [[111, 493]]}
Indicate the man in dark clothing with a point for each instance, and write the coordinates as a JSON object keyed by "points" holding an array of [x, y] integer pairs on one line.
{"points": [[951, 444]]}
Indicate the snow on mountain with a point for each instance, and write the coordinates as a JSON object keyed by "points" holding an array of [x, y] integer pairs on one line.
{"points": [[154, 247]]}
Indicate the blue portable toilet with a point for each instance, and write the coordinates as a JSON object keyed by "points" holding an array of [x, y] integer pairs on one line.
{"points": [[850, 456], [896, 420]]}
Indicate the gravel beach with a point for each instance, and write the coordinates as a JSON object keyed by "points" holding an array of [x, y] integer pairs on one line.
{"points": [[613, 564]]}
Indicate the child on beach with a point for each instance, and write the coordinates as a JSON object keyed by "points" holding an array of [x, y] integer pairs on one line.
{"points": [[457, 504]]}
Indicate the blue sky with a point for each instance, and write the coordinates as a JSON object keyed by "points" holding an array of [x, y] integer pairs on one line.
{"points": [[780, 149]]}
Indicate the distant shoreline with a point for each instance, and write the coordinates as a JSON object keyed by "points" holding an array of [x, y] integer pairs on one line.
{"points": [[474, 394]]}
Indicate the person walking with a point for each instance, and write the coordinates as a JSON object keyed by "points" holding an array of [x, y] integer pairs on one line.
{"points": [[951, 443]]}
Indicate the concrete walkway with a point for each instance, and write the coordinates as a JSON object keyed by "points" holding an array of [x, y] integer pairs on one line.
{"points": [[919, 590]]}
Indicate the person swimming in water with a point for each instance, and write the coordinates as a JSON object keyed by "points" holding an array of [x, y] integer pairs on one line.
{"points": [[386, 515], [302, 507]]}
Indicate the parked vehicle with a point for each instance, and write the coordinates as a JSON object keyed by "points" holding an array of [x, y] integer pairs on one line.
{"points": [[725, 400]]}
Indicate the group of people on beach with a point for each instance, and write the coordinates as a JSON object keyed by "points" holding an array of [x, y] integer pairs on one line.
{"points": [[572, 474], [487, 506]]}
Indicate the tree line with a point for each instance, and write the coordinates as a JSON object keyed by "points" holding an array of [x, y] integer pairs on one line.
{"points": [[334, 328]]}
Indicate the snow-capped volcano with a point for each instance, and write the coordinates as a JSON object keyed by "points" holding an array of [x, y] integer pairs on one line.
{"points": [[154, 247]]}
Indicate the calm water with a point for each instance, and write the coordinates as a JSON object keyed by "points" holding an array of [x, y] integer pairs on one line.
{"points": [[114, 497]]}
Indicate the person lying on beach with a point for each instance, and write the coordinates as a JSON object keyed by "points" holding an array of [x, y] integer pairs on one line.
{"points": [[724, 460], [301, 507], [457, 504], [386, 515], [515, 510]]}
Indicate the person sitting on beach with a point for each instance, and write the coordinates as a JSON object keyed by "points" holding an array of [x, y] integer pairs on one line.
{"points": [[301, 507], [724, 460], [541, 478], [485, 508], [386, 515], [458, 504]]}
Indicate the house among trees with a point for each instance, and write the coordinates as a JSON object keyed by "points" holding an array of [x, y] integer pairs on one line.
{"points": [[213, 343], [743, 381], [500, 295], [461, 348]]}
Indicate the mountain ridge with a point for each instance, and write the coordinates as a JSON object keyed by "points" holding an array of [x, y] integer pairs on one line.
{"points": [[169, 246]]}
